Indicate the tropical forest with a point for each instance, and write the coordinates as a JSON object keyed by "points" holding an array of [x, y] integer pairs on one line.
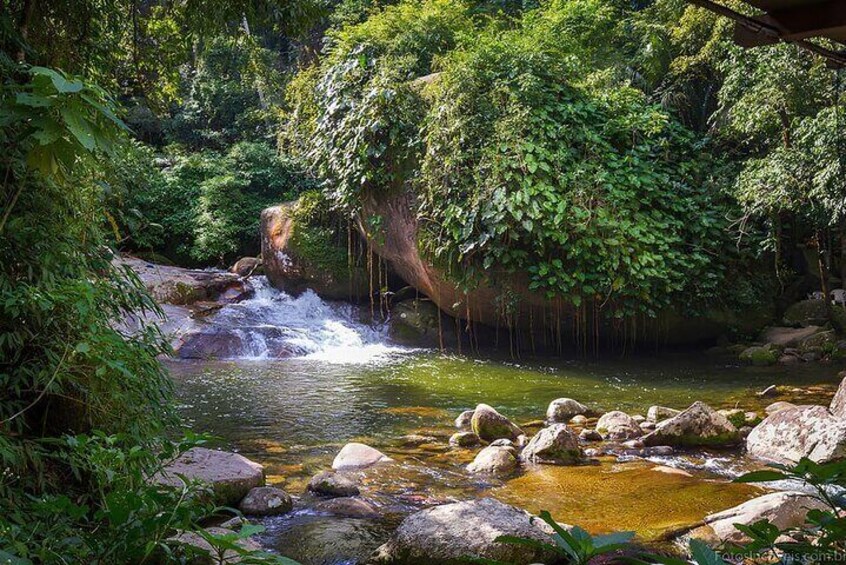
{"points": [[423, 282]]}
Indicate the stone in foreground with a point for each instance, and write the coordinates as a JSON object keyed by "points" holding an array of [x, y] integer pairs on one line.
{"points": [[838, 403], [557, 445], [783, 509], [699, 425], [329, 483], [494, 460], [802, 431], [230, 475], [266, 501], [358, 456], [564, 409], [618, 425], [451, 533], [490, 425]]}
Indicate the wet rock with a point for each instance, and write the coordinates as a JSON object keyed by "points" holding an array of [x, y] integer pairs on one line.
{"points": [[563, 409], [494, 460], [490, 425], [789, 337], [657, 451], [802, 431], [449, 534], [579, 420], [357, 456], [347, 508], [698, 425], [783, 509], [230, 475], [266, 501], [657, 413], [502, 443], [633, 444], [229, 343], [201, 552], [789, 359], [838, 403], [464, 439], [463, 422], [618, 425], [761, 355], [556, 445], [416, 440], [590, 435], [415, 322], [329, 483], [769, 392], [776, 406], [246, 266]]}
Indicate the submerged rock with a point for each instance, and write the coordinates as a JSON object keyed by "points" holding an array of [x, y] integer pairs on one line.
{"points": [[556, 444], [783, 509], [698, 425], [802, 431], [231, 476], [330, 483], [451, 533], [563, 409], [490, 425], [358, 455], [494, 460], [266, 501], [347, 508], [618, 425]]}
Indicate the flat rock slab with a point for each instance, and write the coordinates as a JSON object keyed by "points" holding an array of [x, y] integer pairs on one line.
{"points": [[802, 431], [449, 534], [789, 337], [230, 475]]}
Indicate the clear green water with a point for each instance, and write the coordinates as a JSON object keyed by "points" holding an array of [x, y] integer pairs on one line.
{"points": [[293, 416]]}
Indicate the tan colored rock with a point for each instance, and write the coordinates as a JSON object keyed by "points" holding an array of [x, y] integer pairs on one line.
{"points": [[838, 403], [618, 425], [802, 431], [230, 475], [699, 425], [358, 456], [561, 410], [557, 445], [490, 425], [494, 460], [266, 501]]}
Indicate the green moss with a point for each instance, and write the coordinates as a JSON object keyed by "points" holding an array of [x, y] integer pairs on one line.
{"points": [[760, 356], [317, 246]]}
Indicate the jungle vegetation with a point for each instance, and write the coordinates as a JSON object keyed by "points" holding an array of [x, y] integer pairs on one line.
{"points": [[622, 153]]}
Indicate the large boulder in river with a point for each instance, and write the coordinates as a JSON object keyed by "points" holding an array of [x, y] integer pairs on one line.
{"points": [[490, 425], [803, 431], [358, 456], [266, 501], [618, 425], [297, 256], [784, 510], [838, 403], [564, 409], [557, 445], [456, 533], [494, 460], [231, 476], [698, 425]]}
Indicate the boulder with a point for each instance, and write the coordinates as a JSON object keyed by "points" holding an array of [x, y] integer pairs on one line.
{"points": [[490, 425], [789, 337], [618, 425], [415, 322], [579, 420], [266, 501], [357, 456], [802, 431], [347, 508], [658, 413], [563, 409], [785, 510], [556, 444], [464, 439], [811, 313], [698, 425], [201, 552], [231, 343], [231, 476], [329, 483], [776, 406], [494, 460], [245, 266], [590, 435], [838, 403], [761, 355], [463, 421], [452, 533]]}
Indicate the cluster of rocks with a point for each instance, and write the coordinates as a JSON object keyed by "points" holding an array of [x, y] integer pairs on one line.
{"points": [[805, 336]]}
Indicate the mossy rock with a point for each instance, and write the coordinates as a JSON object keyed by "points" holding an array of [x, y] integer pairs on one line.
{"points": [[415, 322], [760, 355], [814, 313]]}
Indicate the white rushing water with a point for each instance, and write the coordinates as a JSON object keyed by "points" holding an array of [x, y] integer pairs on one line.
{"points": [[275, 324]]}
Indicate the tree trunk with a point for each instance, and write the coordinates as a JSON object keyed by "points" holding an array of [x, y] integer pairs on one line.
{"points": [[820, 238], [23, 28]]}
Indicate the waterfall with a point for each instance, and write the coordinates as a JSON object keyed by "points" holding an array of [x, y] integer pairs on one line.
{"points": [[274, 324]]}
